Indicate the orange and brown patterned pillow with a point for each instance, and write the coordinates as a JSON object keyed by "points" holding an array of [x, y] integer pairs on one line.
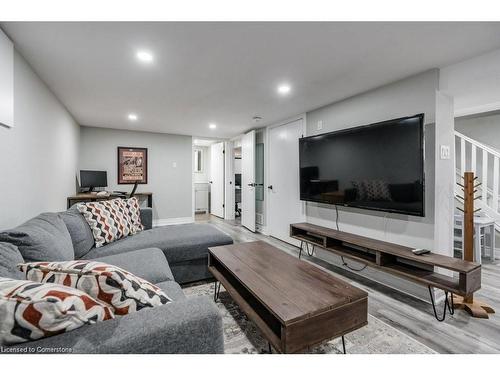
{"points": [[31, 311], [112, 220], [120, 289]]}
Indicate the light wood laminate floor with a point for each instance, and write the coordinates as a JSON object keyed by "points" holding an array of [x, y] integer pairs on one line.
{"points": [[457, 334]]}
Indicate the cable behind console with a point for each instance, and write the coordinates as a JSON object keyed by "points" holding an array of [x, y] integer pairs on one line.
{"points": [[344, 263]]}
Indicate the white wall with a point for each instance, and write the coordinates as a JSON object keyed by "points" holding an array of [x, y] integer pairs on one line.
{"points": [[444, 190], [473, 83], [39, 154], [403, 98], [6, 81], [171, 185], [485, 128], [237, 166]]}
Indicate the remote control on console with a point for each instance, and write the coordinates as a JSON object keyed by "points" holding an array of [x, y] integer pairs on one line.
{"points": [[420, 251]]}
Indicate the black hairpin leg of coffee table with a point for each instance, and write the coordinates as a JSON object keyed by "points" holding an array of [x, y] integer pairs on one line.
{"points": [[216, 291]]}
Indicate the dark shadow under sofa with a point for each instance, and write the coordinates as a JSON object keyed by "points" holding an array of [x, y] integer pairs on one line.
{"points": [[166, 256]]}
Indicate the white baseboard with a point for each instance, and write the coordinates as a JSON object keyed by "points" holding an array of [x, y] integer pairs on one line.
{"points": [[261, 229], [173, 221]]}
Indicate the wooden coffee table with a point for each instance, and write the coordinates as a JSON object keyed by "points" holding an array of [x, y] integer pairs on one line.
{"points": [[295, 304]]}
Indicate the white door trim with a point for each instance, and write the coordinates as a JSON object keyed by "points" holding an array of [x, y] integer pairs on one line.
{"points": [[229, 211], [267, 149], [247, 179], [192, 180]]}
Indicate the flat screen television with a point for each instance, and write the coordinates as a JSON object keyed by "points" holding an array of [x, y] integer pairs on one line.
{"points": [[376, 167]]}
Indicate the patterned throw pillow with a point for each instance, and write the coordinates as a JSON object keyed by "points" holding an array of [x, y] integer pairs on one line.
{"points": [[360, 190], [112, 220], [134, 214], [121, 290], [377, 190], [31, 311]]}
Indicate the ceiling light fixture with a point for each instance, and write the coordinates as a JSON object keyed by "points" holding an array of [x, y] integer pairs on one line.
{"points": [[132, 117], [284, 89], [212, 126], [145, 56]]}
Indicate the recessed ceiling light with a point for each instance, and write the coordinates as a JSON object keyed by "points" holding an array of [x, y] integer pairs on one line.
{"points": [[284, 89], [145, 56], [132, 117], [212, 126]]}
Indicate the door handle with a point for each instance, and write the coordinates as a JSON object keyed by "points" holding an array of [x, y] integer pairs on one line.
{"points": [[252, 184], [270, 187], [211, 182]]}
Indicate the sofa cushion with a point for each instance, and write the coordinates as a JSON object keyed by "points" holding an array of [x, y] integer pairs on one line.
{"points": [[79, 230], [110, 220], [116, 287], [31, 311], [172, 289], [178, 242], [149, 264], [191, 270], [43, 238], [10, 257]]}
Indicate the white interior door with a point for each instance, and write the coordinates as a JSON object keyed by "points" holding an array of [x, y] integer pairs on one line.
{"points": [[217, 179], [284, 204], [248, 181]]}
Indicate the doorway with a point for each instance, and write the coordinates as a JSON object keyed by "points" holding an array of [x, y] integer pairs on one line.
{"points": [[237, 183], [245, 180], [208, 178]]}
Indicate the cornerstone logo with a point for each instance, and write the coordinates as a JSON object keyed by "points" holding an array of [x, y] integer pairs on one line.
{"points": [[33, 350]]}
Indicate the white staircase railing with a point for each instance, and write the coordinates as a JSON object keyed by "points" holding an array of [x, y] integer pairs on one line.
{"points": [[484, 161]]}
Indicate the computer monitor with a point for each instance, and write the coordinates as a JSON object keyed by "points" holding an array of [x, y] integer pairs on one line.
{"points": [[93, 179]]}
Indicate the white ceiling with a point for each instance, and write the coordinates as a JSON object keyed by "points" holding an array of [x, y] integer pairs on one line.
{"points": [[226, 73]]}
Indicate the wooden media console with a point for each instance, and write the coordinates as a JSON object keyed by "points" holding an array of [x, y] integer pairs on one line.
{"points": [[395, 259]]}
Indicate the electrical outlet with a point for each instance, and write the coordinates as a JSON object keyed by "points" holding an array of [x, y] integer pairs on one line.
{"points": [[320, 125], [174, 164], [445, 152]]}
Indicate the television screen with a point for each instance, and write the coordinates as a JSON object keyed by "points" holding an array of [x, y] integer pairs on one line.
{"points": [[377, 167]]}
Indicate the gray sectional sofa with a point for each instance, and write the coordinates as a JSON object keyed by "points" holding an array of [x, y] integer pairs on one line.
{"points": [[167, 256]]}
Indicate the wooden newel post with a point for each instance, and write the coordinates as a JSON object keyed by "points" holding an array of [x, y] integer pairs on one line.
{"points": [[474, 307]]}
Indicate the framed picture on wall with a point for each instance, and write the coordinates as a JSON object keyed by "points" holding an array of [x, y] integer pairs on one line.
{"points": [[132, 165]]}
